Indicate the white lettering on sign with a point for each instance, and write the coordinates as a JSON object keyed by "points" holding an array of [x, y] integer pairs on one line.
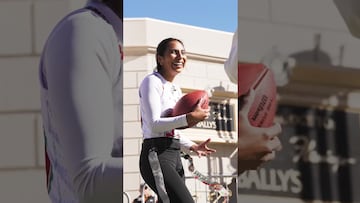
{"points": [[206, 124], [275, 180]]}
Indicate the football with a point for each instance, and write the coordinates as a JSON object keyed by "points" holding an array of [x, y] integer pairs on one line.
{"points": [[188, 102], [260, 78]]}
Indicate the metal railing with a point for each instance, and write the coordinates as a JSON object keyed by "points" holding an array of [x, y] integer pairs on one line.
{"points": [[204, 193]]}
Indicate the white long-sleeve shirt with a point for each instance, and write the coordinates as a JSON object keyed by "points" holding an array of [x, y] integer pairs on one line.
{"points": [[231, 63], [157, 97], [81, 103]]}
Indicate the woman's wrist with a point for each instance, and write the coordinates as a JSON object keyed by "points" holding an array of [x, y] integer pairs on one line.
{"points": [[193, 147], [191, 119], [188, 118]]}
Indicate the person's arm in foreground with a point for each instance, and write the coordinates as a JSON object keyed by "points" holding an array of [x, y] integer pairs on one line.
{"points": [[231, 63], [80, 82], [255, 145]]}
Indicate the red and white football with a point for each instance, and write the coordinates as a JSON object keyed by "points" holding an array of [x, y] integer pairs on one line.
{"points": [[260, 78], [188, 102]]}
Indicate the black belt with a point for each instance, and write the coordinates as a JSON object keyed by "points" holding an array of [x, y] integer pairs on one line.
{"points": [[161, 143]]}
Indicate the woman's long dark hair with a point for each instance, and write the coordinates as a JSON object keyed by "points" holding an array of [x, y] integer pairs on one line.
{"points": [[161, 48]]}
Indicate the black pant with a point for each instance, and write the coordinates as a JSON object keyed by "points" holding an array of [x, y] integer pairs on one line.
{"points": [[168, 152]]}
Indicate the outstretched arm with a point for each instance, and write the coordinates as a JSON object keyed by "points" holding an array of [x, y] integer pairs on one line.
{"points": [[202, 149]]}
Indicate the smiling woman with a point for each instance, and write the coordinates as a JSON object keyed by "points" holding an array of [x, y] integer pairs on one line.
{"points": [[160, 160], [170, 58]]}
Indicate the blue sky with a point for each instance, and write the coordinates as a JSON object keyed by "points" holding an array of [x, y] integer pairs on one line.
{"points": [[213, 14]]}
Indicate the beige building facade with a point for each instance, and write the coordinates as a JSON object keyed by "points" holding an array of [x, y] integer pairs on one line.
{"points": [[25, 25]]}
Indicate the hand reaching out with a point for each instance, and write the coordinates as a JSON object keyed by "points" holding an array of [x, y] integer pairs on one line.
{"points": [[202, 149]]}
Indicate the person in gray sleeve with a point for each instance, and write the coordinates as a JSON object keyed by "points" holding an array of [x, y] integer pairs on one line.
{"points": [[81, 104]]}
